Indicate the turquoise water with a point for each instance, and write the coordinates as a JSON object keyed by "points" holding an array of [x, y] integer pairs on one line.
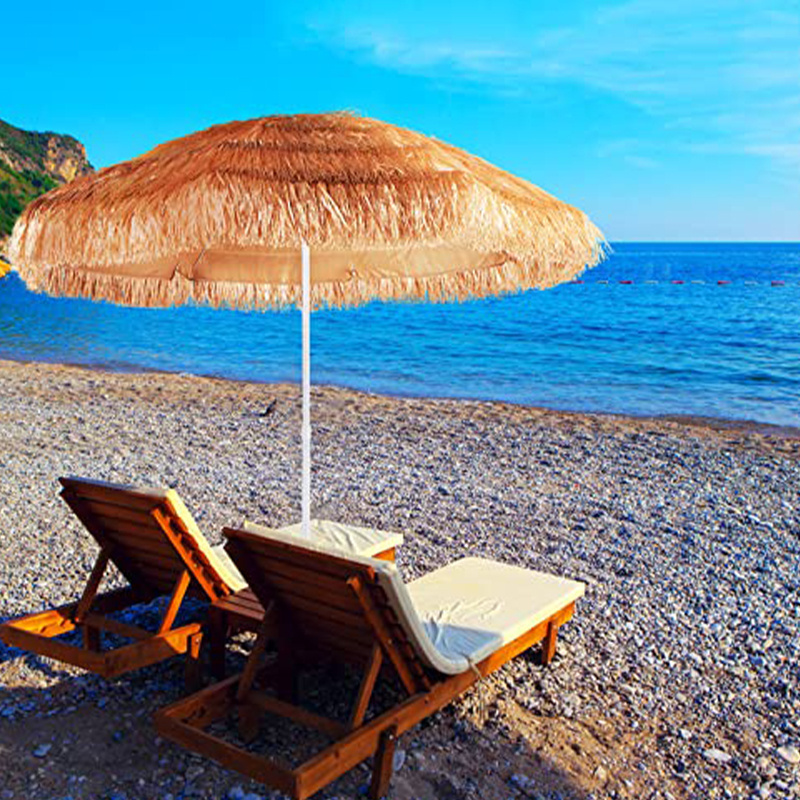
{"points": [[699, 348]]}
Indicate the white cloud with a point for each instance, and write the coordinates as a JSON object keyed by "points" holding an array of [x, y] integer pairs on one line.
{"points": [[630, 151], [728, 70]]}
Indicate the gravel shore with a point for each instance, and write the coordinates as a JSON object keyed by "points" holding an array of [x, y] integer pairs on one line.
{"points": [[678, 677]]}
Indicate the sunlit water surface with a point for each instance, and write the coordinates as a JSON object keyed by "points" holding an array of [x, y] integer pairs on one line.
{"points": [[651, 347]]}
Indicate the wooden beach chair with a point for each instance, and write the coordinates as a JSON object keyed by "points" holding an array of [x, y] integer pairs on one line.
{"points": [[150, 536], [438, 636], [241, 610]]}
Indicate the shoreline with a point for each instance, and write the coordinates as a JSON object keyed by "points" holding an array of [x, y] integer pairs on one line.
{"points": [[708, 424]]}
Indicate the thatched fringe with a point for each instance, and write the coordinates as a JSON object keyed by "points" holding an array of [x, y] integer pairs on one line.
{"points": [[504, 278], [338, 182]]}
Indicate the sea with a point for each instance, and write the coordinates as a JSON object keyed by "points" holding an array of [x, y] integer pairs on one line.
{"points": [[666, 329]]}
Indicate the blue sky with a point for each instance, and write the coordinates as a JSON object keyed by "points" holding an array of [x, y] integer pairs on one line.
{"points": [[663, 119]]}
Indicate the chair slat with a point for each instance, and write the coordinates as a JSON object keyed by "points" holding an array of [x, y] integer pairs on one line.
{"points": [[314, 626], [147, 558], [301, 575], [311, 591], [120, 512], [110, 495], [147, 529]]}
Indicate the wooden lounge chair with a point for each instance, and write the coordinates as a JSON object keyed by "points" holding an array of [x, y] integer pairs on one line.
{"points": [[439, 635], [242, 611], [150, 536]]}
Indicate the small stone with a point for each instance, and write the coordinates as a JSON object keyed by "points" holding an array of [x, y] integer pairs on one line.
{"points": [[42, 750], [766, 766], [717, 756], [790, 754], [194, 772], [685, 734], [236, 793], [398, 760], [520, 781], [601, 773]]}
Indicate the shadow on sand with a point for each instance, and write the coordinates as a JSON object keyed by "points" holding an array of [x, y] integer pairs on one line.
{"points": [[65, 733]]}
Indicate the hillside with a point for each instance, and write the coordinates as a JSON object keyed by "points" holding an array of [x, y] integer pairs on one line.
{"points": [[33, 163]]}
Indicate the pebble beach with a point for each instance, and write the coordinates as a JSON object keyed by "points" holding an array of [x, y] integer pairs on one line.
{"points": [[679, 676]]}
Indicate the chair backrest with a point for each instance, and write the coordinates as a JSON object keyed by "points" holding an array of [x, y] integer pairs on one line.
{"points": [[151, 536], [321, 597]]}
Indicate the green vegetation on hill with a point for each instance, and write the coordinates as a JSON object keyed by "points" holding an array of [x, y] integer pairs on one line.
{"points": [[31, 164], [32, 145], [17, 189]]}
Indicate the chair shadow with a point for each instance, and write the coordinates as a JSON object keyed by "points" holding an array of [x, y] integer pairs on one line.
{"points": [[102, 743]]}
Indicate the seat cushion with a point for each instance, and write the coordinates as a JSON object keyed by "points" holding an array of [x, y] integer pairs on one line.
{"points": [[224, 565], [472, 607], [367, 542], [218, 560]]}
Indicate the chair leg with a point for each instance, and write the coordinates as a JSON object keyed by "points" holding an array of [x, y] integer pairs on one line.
{"points": [[248, 718], [286, 682], [286, 677], [91, 638], [193, 669], [549, 644], [217, 636], [384, 763]]}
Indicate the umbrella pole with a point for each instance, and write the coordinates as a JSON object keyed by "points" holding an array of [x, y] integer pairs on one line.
{"points": [[306, 492]]}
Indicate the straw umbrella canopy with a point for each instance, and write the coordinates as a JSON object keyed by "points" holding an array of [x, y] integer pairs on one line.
{"points": [[229, 217]]}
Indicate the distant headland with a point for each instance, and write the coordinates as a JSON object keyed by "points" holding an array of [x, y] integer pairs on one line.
{"points": [[31, 164]]}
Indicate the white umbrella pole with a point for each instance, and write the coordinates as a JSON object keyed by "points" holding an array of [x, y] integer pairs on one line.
{"points": [[306, 513]]}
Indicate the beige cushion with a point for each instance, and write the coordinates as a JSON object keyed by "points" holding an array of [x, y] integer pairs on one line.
{"points": [[226, 569], [458, 615], [366, 542], [472, 607], [217, 558]]}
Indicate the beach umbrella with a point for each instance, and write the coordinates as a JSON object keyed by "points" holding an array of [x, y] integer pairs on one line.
{"points": [[307, 210]]}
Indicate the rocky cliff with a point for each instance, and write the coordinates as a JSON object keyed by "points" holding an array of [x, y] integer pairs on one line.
{"points": [[33, 163]]}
